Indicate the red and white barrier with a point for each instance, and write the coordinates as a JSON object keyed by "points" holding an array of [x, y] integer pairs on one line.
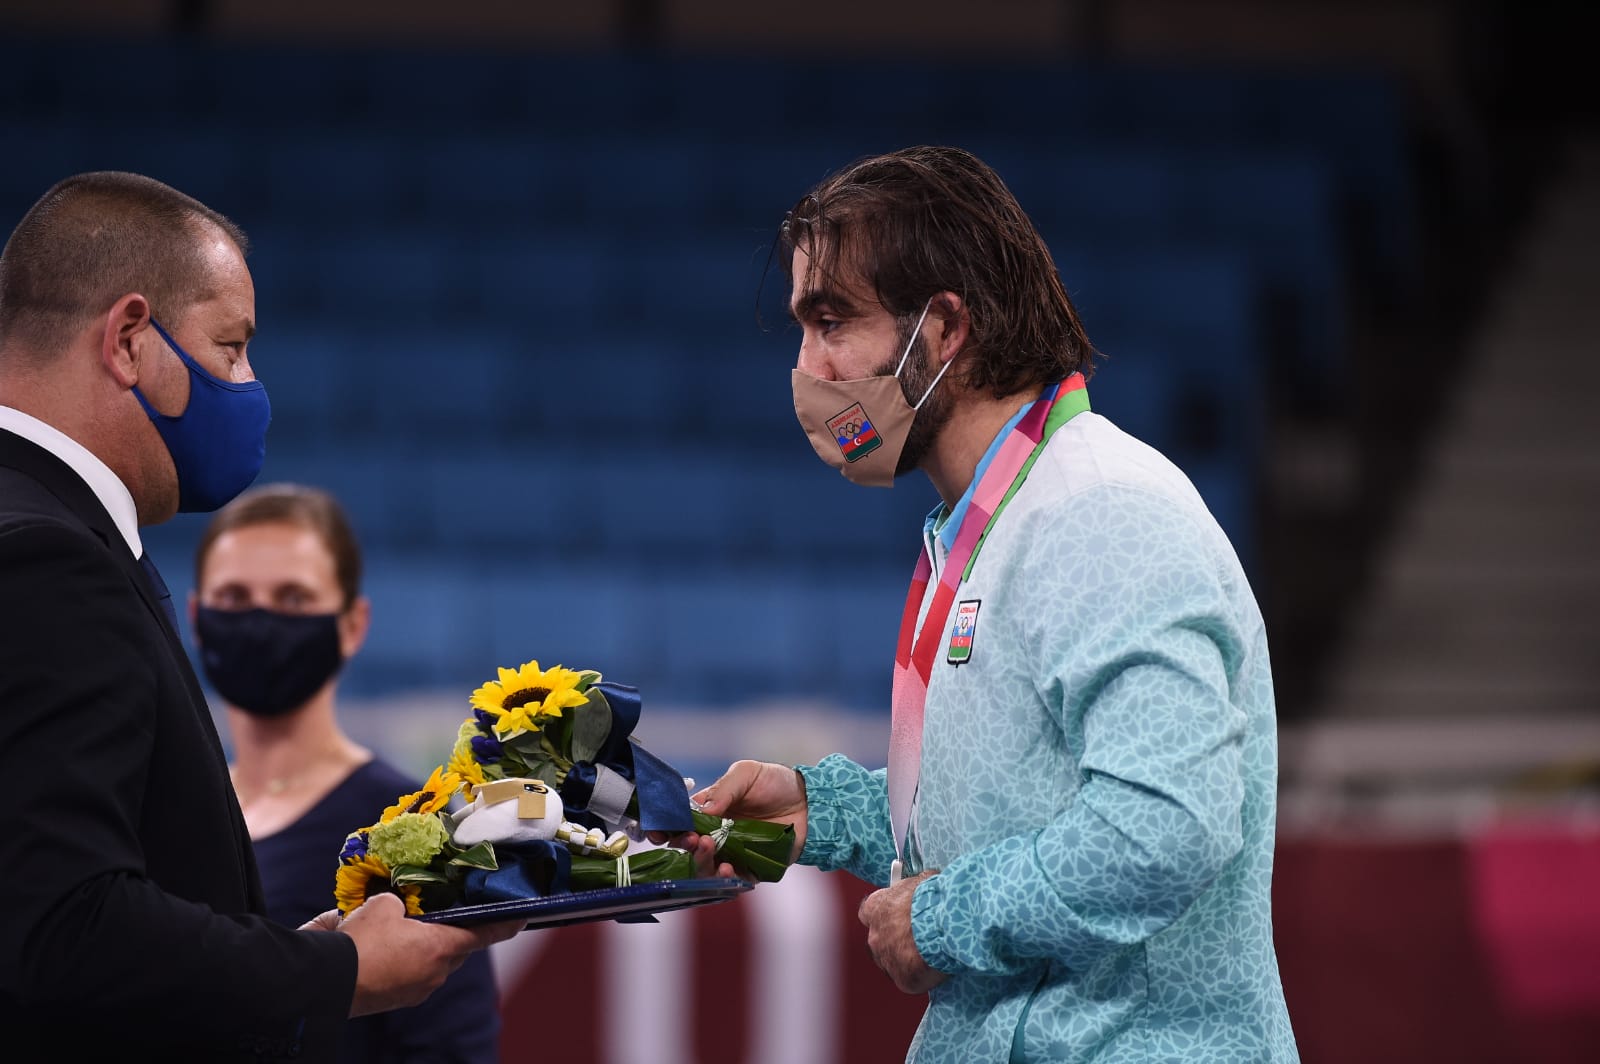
{"points": [[780, 975]]}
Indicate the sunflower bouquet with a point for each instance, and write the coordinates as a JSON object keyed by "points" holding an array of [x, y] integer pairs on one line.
{"points": [[409, 852], [561, 798]]}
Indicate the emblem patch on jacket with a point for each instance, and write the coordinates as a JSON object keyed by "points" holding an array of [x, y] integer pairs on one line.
{"points": [[854, 433], [963, 631]]}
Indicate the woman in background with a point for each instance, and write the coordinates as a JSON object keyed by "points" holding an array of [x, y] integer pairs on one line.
{"points": [[277, 612]]}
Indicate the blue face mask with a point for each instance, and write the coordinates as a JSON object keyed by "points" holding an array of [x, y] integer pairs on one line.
{"points": [[219, 441]]}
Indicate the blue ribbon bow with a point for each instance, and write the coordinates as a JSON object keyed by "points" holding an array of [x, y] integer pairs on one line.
{"points": [[527, 870], [658, 787]]}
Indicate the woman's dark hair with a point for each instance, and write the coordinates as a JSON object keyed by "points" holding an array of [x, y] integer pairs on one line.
{"points": [[933, 219], [291, 504]]}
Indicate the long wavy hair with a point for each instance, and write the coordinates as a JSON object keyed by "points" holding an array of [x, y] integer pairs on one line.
{"points": [[924, 220]]}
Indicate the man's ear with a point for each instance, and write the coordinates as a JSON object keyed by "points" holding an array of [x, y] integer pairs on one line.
{"points": [[953, 325], [121, 339]]}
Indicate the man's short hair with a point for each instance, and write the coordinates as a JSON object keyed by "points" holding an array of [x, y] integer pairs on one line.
{"points": [[91, 240], [924, 220]]}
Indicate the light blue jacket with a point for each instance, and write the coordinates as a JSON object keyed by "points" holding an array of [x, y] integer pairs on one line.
{"points": [[1097, 784]]}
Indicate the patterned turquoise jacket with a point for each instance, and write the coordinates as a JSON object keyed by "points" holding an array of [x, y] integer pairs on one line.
{"points": [[1097, 785]]}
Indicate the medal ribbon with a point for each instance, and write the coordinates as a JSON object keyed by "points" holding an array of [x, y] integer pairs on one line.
{"points": [[914, 656]]}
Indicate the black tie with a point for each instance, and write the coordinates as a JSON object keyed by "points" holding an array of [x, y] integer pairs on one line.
{"points": [[163, 596]]}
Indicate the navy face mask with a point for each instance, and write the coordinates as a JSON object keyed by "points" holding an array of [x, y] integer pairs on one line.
{"points": [[219, 441], [267, 663]]}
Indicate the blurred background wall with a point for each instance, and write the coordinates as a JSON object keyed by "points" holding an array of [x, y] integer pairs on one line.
{"points": [[516, 309]]}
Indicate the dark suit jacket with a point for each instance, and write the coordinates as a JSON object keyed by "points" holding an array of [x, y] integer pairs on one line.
{"points": [[130, 908]]}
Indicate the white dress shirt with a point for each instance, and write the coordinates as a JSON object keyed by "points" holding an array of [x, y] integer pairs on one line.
{"points": [[106, 485]]}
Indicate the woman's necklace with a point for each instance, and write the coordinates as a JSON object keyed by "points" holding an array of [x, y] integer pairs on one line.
{"points": [[274, 786], [279, 784]]}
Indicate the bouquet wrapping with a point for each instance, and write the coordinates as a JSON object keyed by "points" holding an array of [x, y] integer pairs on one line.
{"points": [[561, 797]]}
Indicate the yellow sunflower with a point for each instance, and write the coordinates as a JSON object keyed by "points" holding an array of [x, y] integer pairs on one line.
{"points": [[522, 696], [434, 796], [464, 766], [360, 879], [411, 894]]}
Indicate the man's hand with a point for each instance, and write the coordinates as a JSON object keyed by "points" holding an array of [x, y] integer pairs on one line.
{"points": [[326, 921], [887, 916], [399, 962], [749, 790]]}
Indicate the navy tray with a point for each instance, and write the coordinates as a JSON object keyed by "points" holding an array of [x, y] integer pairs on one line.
{"points": [[637, 903]]}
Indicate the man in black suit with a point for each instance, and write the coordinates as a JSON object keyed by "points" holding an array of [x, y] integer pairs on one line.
{"points": [[130, 909]]}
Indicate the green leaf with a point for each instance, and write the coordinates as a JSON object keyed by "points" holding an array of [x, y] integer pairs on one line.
{"points": [[759, 849], [510, 766], [540, 761], [558, 734], [416, 874], [551, 773], [590, 726], [478, 856], [646, 866]]}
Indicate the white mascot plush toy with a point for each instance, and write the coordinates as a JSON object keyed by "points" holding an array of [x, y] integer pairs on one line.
{"points": [[527, 810]]}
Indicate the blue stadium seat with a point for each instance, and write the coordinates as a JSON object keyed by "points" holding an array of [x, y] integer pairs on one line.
{"points": [[1138, 392], [848, 617], [698, 636], [559, 613], [494, 288], [599, 389], [695, 278], [448, 384], [499, 502], [1351, 120], [547, 284], [428, 627], [441, 86], [75, 76], [41, 151], [1275, 211], [271, 87], [576, 93], [1231, 496], [713, 95], [1282, 210], [647, 185], [724, 640], [577, 502], [374, 483], [1178, 326], [737, 636], [489, 183], [388, 274], [817, 515], [304, 369], [341, 177]]}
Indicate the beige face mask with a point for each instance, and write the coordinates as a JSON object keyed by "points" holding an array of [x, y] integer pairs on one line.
{"points": [[860, 427]]}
